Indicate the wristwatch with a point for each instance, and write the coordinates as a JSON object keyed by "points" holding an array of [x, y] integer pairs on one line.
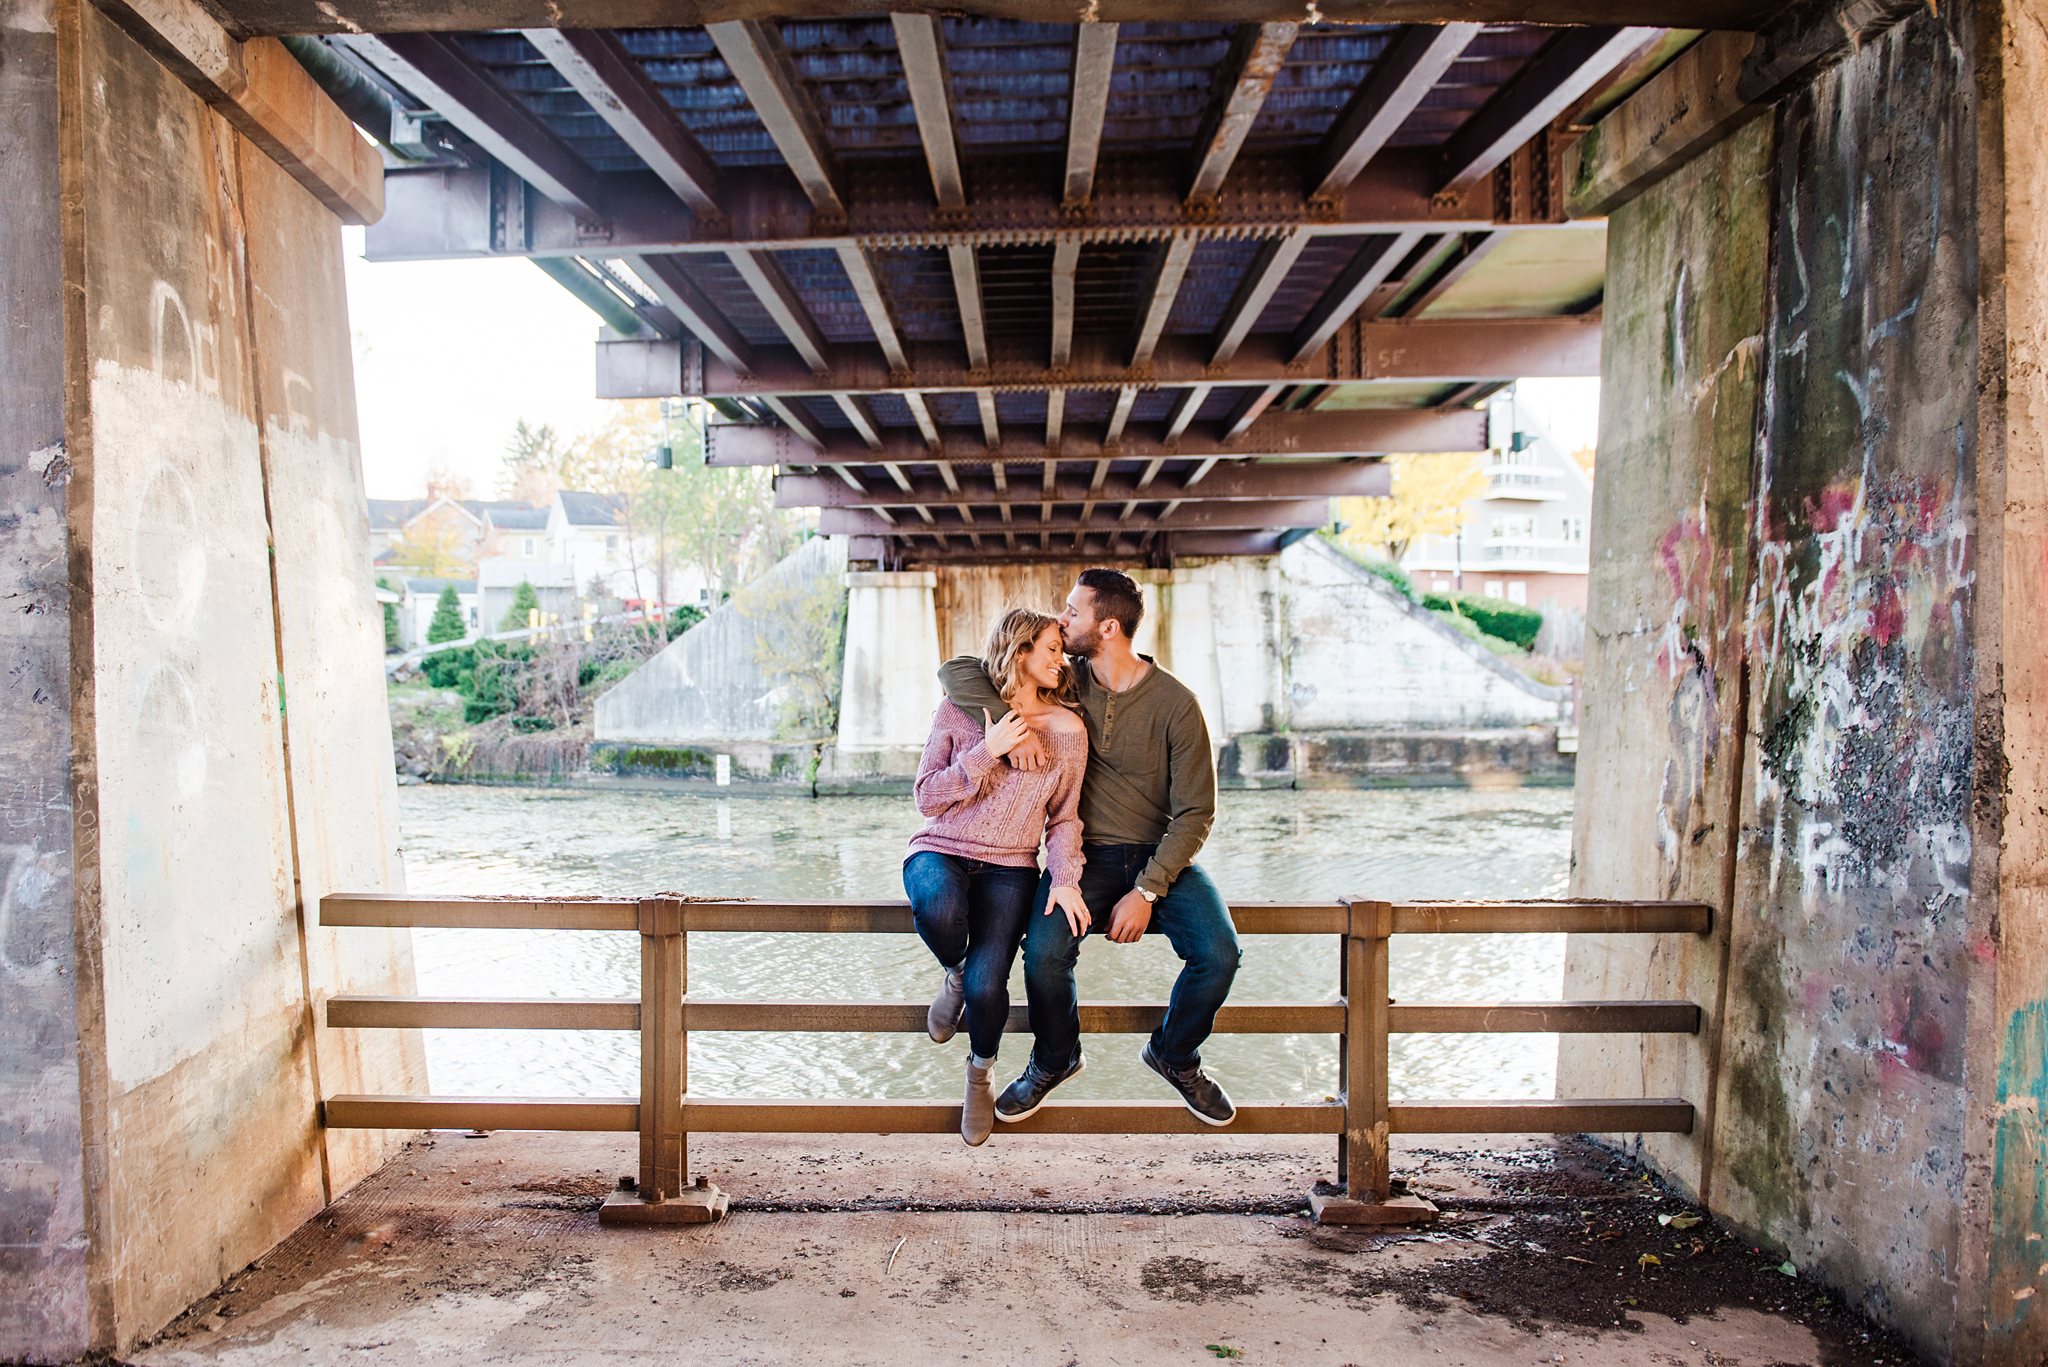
{"points": [[1150, 897]]}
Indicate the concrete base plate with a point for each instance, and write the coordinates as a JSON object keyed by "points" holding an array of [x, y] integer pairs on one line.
{"points": [[1398, 1210], [696, 1206]]}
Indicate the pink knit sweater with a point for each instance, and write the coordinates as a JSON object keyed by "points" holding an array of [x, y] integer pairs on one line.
{"points": [[979, 806]]}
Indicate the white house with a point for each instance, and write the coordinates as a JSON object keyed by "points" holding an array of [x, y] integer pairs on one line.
{"points": [[1524, 539], [588, 534], [416, 608]]}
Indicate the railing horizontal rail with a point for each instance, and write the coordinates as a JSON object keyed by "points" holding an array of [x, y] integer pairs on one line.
{"points": [[610, 1113], [746, 1115], [887, 916], [1543, 1018], [1105, 1018]]}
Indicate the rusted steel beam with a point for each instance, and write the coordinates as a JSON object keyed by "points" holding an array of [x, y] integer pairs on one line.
{"points": [[1066, 260], [596, 64], [967, 294], [1649, 1115], [1114, 545], [394, 16], [1226, 515], [1448, 350], [806, 428], [1243, 82], [1256, 290], [921, 45], [874, 302], [1367, 270], [1544, 1018], [442, 213], [1087, 106], [1408, 70], [753, 52], [664, 275], [1447, 270], [1569, 66], [1326, 434], [784, 307], [1169, 268], [1248, 411], [1294, 479], [433, 68]]}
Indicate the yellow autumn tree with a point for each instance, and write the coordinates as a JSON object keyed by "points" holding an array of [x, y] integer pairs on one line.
{"points": [[1431, 490]]}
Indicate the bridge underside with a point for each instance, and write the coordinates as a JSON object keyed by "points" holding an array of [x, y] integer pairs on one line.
{"points": [[988, 288]]}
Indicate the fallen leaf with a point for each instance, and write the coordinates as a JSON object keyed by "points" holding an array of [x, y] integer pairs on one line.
{"points": [[1649, 1260], [1787, 1268], [1684, 1221], [1224, 1350]]}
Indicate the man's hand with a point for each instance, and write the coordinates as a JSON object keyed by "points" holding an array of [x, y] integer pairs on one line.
{"points": [[1070, 902], [1129, 918], [1029, 753]]}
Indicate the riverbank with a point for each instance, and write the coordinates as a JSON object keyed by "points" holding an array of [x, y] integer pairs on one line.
{"points": [[1053, 1252]]}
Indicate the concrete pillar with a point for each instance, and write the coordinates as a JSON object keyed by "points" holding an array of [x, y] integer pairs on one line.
{"points": [[1179, 632], [889, 684], [194, 744], [1814, 680]]}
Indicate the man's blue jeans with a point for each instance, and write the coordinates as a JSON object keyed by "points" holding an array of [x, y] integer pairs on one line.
{"points": [[971, 915], [1194, 920]]}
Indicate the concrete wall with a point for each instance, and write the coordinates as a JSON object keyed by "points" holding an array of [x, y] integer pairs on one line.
{"points": [[216, 553], [1812, 321], [1308, 641], [43, 1281], [710, 683]]}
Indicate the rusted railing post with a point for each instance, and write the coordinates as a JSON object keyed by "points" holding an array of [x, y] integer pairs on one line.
{"points": [[664, 1073], [1364, 1150]]}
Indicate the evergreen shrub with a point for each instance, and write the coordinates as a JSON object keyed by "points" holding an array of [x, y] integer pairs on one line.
{"points": [[1511, 622]]}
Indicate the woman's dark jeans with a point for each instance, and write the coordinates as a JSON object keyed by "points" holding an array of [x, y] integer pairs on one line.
{"points": [[971, 914]]}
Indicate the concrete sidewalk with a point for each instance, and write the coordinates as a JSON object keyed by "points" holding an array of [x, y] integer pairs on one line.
{"points": [[1083, 1251]]}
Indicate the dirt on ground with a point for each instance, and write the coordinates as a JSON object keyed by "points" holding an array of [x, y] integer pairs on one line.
{"points": [[1033, 1250]]}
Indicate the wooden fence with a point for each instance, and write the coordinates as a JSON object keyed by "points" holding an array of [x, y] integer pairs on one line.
{"points": [[1363, 1017]]}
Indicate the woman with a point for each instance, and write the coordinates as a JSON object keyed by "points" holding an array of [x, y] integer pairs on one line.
{"points": [[973, 868]]}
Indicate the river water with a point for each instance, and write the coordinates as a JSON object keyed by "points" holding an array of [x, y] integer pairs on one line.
{"points": [[1278, 845]]}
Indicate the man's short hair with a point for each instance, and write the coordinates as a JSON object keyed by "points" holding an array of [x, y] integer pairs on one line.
{"points": [[1116, 597]]}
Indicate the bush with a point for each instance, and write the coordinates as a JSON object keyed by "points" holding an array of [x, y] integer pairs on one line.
{"points": [[683, 618], [447, 623], [1392, 573], [446, 668], [1511, 622], [524, 601]]}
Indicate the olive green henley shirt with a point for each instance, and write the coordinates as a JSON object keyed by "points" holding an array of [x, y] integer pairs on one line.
{"points": [[1151, 778]]}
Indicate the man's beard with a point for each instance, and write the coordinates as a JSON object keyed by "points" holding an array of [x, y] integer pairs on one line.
{"points": [[1087, 645]]}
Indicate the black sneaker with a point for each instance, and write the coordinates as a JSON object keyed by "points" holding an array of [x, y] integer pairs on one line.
{"points": [[1024, 1096], [1210, 1104]]}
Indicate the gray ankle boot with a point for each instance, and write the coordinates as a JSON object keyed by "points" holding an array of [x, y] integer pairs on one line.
{"points": [[947, 1008], [978, 1115]]}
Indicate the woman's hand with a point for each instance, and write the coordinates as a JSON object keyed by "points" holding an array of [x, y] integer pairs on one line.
{"points": [[1075, 908], [1002, 736]]}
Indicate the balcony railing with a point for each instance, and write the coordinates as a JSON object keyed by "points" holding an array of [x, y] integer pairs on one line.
{"points": [[1522, 481], [1512, 550]]}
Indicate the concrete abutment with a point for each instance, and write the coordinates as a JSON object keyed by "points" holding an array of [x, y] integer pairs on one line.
{"points": [[194, 724], [1811, 687]]}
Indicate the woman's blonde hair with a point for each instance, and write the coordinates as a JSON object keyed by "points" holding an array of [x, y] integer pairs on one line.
{"points": [[1009, 641]]}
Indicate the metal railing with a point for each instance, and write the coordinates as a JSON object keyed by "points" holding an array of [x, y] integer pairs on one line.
{"points": [[1362, 1118]]}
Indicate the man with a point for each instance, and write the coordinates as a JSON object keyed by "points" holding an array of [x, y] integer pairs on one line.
{"points": [[1147, 803]]}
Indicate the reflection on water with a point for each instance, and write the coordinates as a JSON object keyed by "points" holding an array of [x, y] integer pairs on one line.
{"points": [[1267, 845]]}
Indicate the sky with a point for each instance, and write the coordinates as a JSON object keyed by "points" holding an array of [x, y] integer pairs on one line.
{"points": [[451, 354]]}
